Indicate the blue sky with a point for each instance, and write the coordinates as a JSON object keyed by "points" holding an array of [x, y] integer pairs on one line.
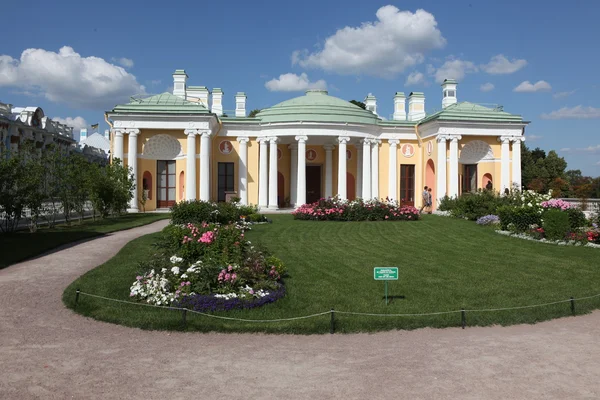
{"points": [[111, 50]]}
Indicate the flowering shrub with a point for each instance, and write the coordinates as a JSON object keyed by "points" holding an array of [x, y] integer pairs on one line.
{"points": [[335, 209], [214, 265], [489, 220], [556, 203], [198, 211]]}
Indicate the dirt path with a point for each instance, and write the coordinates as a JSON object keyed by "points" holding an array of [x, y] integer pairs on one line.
{"points": [[48, 352]]}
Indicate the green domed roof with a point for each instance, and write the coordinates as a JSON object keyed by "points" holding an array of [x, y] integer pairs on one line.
{"points": [[317, 106]]}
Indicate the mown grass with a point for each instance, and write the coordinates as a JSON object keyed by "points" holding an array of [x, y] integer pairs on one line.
{"points": [[445, 264], [23, 245]]}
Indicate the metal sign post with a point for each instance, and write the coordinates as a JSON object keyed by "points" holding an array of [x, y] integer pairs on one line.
{"points": [[385, 274]]}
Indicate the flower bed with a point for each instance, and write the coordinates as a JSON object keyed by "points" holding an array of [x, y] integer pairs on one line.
{"points": [[335, 209], [198, 211], [214, 268]]}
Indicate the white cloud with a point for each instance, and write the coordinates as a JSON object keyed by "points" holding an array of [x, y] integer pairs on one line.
{"points": [[577, 112], [590, 149], [454, 69], [415, 78], [499, 64], [487, 87], [67, 77], [385, 48], [76, 123], [560, 95], [125, 62], [528, 87], [293, 83], [531, 138], [155, 82]]}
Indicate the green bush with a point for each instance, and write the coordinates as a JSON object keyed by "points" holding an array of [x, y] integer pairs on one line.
{"points": [[577, 218], [198, 211], [556, 224], [520, 218], [473, 206]]}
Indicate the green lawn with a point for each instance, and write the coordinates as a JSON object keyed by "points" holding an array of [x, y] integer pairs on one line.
{"points": [[22, 245], [445, 264]]}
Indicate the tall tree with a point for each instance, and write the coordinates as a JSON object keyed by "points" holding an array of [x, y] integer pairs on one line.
{"points": [[254, 112]]}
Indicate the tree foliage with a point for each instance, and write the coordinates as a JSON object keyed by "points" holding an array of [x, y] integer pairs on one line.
{"points": [[254, 112], [359, 104]]}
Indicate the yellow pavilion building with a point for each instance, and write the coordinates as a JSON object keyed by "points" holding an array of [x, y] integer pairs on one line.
{"points": [[180, 146]]}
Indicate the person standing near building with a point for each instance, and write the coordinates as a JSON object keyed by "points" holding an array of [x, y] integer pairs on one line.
{"points": [[429, 207], [425, 196]]}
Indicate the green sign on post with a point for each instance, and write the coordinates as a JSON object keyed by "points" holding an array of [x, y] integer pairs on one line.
{"points": [[385, 274]]}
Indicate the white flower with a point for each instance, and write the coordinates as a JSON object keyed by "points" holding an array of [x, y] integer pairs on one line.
{"points": [[175, 270], [183, 276], [175, 260]]}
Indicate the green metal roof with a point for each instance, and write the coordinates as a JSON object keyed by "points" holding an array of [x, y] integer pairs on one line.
{"points": [[465, 111], [161, 103], [317, 106]]}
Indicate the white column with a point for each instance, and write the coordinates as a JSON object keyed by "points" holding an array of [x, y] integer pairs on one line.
{"points": [[190, 165], [375, 169], [366, 170], [118, 144], [263, 180], [516, 162], [359, 168], [205, 166], [453, 190], [243, 170], [392, 171], [441, 167], [293, 172], [342, 168], [132, 164], [301, 184], [504, 164], [328, 170], [273, 174]]}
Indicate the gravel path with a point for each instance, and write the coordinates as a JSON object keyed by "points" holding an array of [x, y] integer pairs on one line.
{"points": [[48, 352]]}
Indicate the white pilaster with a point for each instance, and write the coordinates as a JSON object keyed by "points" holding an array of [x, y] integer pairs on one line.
{"points": [[243, 170], [375, 168], [359, 168], [301, 184], [205, 166], [342, 168], [263, 180], [441, 167], [516, 162], [453, 190], [328, 170], [366, 170], [132, 164], [293, 173], [118, 144], [273, 174], [504, 163], [392, 174], [190, 164]]}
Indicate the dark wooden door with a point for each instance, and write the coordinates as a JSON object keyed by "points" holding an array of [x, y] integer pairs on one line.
{"points": [[313, 183], [165, 183], [470, 178], [225, 182], [407, 185]]}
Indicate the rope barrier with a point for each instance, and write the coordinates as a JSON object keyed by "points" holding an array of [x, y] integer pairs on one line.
{"points": [[331, 312]]}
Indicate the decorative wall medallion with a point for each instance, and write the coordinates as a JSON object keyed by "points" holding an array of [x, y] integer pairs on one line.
{"points": [[225, 147], [161, 147], [475, 151], [408, 150], [279, 154], [429, 147], [348, 155], [311, 155]]}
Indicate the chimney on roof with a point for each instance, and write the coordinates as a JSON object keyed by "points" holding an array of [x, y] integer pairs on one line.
{"points": [[217, 101], [371, 103], [82, 134], [448, 92], [399, 107], [240, 104], [199, 94], [179, 83], [416, 106]]}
